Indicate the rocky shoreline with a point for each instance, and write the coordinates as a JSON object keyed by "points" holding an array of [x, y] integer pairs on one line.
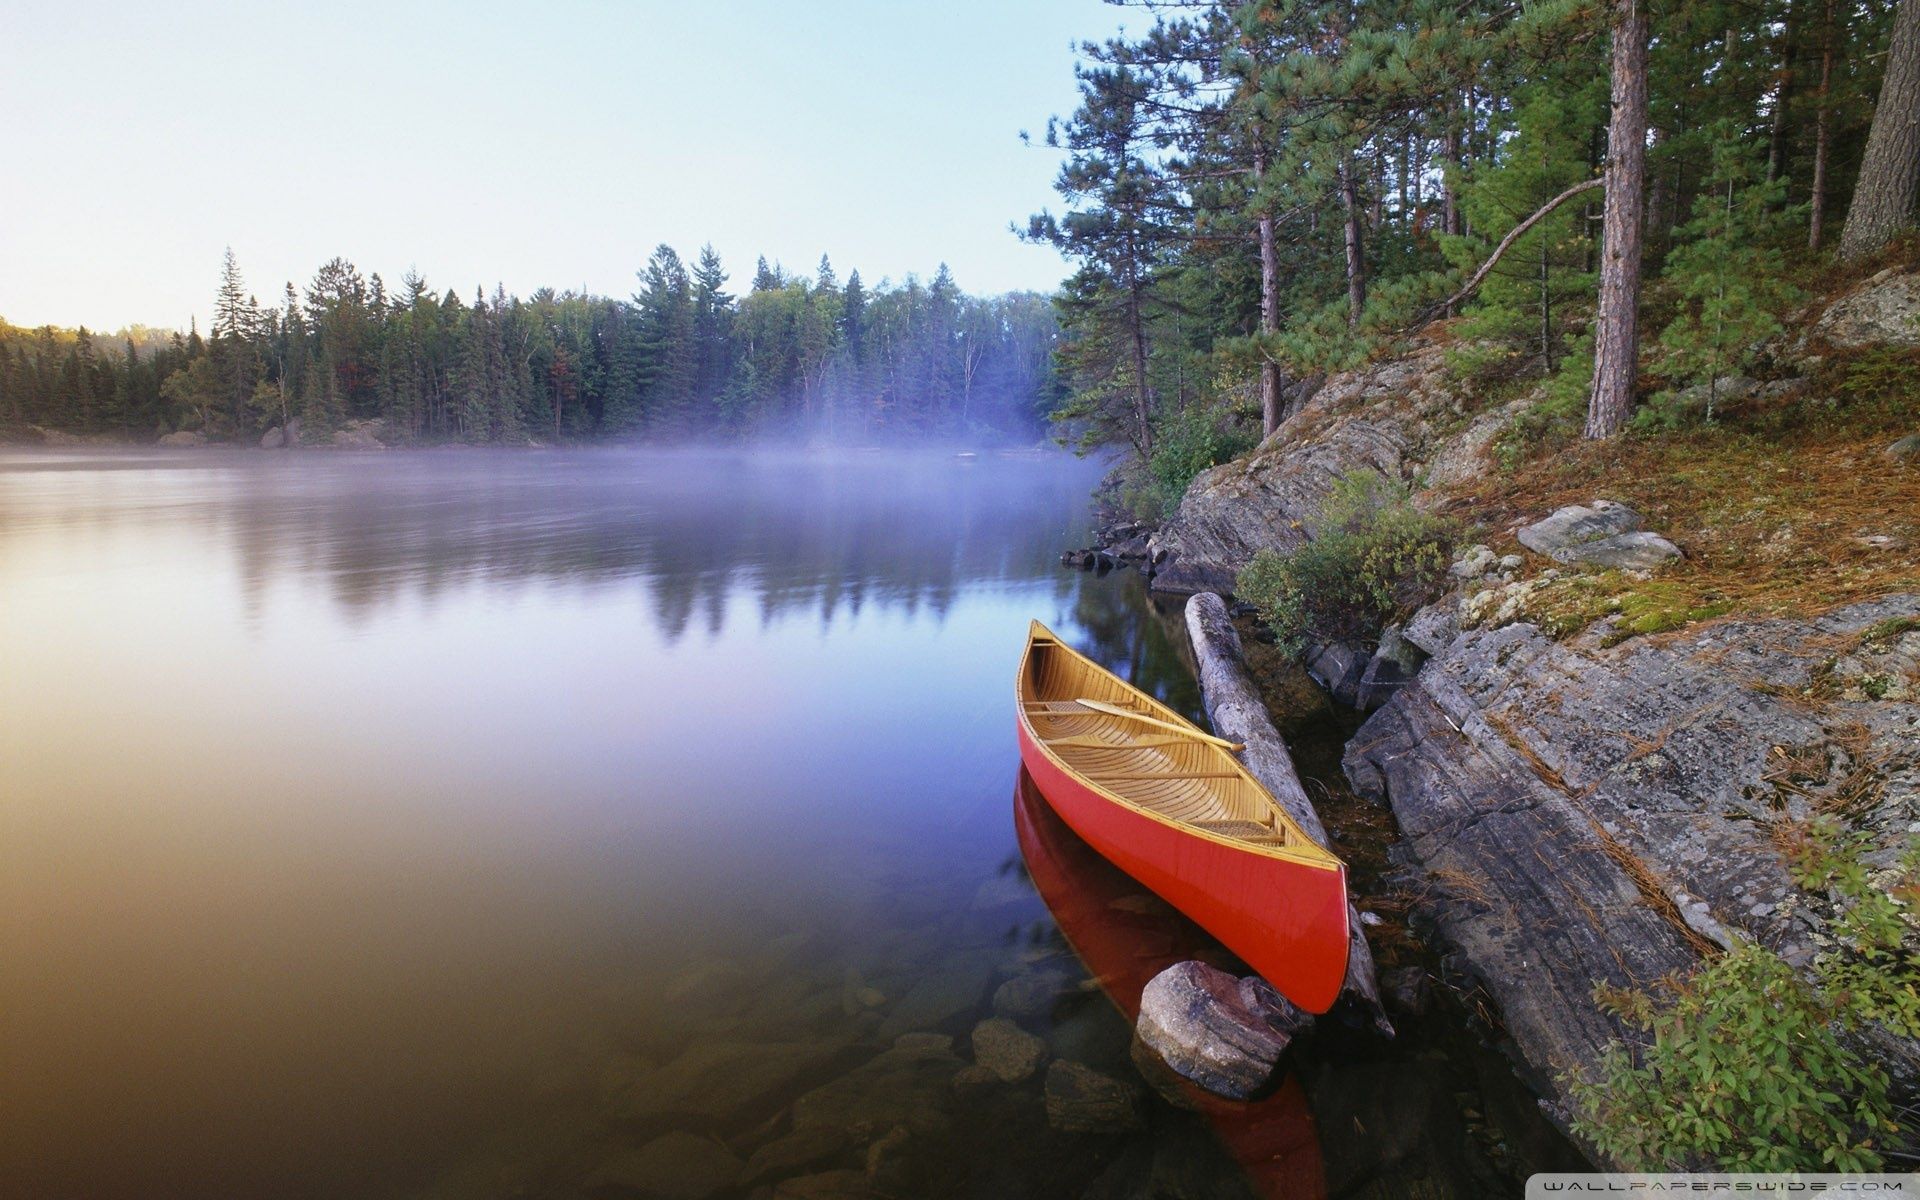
{"points": [[1597, 801]]}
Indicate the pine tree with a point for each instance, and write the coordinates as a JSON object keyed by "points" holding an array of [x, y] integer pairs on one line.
{"points": [[1729, 268], [1889, 184], [1616, 361]]}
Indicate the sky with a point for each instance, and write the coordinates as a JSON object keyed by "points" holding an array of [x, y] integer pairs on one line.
{"points": [[551, 144]]}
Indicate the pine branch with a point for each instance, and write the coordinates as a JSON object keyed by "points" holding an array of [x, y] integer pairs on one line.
{"points": [[1506, 243]]}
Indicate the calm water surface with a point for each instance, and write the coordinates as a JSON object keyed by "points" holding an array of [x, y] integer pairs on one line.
{"points": [[381, 825]]}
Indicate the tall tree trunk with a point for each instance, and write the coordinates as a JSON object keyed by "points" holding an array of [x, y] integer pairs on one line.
{"points": [[1450, 195], [1378, 207], [1405, 174], [1822, 133], [1546, 305], [1270, 414], [1616, 360], [1142, 398], [1777, 145], [1890, 171], [1356, 257], [1419, 173], [1660, 201]]}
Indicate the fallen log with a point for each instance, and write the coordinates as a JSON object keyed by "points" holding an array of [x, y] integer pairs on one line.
{"points": [[1237, 712]]}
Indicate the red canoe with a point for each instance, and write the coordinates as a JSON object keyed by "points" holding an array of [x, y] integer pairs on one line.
{"points": [[1166, 802], [1123, 945]]}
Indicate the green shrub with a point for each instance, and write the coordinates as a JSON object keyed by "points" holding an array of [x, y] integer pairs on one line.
{"points": [[1185, 444], [1747, 1068], [1370, 559], [1558, 411], [1728, 273]]}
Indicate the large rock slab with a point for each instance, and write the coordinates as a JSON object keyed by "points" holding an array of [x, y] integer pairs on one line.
{"points": [[360, 435], [1403, 417], [1883, 311], [1222, 1032], [1235, 510], [1577, 815]]}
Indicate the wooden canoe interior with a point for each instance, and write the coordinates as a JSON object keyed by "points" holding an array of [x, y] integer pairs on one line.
{"points": [[1191, 782]]}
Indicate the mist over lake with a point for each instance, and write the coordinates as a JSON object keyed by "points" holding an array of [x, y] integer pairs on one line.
{"points": [[369, 824]]}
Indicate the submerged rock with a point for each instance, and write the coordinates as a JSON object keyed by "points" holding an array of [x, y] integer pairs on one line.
{"points": [[827, 1185], [1031, 995], [1218, 1030], [676, 1166], [719, 1084], [796, 1151], [1082, 1100], [1007, 1050], [909, 1084], [952, 987]]}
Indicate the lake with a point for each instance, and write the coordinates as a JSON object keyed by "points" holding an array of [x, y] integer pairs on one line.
{"points": [[373, 825], [463, 824]]}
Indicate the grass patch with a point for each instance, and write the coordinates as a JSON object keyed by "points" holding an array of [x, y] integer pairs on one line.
{"points": [[1881, 634]]}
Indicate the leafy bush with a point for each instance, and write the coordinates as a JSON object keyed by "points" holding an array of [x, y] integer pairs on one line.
{"points": [[1370, 559], [1185, 444], [1747, 1068]]}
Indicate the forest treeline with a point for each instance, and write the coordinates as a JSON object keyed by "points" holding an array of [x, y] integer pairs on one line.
{"points": [[1619, 196], [794, 356]]}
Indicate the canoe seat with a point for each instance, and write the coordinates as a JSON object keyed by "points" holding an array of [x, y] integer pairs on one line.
{"points": [[1245, 830]]}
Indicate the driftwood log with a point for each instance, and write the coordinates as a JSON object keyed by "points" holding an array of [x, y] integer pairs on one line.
{"points": [[1237, 712]]}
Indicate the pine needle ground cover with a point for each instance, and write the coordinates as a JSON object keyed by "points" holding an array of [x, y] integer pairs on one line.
{"points": [[1780, 511]]}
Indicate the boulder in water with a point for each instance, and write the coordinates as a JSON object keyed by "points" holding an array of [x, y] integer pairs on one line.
{"points": [[1218, 1030]]}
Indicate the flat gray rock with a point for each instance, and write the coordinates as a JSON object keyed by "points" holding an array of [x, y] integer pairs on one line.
{"points": [[1577, 524], [1604, 533], [1640, 550]]}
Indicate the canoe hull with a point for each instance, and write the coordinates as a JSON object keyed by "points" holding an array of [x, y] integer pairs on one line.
{"points": [[1287, 919]]}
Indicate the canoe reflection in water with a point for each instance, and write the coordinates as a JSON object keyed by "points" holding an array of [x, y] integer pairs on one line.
{"points": [[1125, 935]]}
